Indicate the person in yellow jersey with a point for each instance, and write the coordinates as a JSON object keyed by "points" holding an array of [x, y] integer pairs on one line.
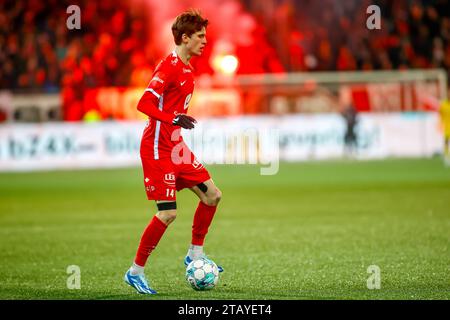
{"points": [[444, 112]]}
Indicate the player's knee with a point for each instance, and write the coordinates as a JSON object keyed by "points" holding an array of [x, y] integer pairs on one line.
{"points": [[167, 216], [213, 198], [218, 196], [167, 211]]}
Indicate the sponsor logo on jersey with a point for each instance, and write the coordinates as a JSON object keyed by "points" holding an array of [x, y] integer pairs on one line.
{"points": [[182, 83], [169, 178], [186, 70], [196, 164], [186, 101]]}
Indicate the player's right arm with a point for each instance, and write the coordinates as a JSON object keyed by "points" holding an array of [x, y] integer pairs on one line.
{"points": [[150, 102]]}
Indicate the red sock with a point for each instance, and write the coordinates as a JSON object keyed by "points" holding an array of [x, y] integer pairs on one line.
{"points": [[202, 219], [149, 240]]}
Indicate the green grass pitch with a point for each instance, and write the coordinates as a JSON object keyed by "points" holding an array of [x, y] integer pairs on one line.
{"points": [[309, 232]]}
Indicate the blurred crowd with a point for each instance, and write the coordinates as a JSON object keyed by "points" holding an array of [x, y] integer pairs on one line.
{"points": [[332, 35], [114, 47], [38, 51]]}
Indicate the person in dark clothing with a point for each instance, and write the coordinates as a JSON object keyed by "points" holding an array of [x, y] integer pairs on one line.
{"points": [[350, 115]]}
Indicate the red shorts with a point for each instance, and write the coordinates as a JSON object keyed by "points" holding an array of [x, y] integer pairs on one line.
{"points": [[162, 177]]}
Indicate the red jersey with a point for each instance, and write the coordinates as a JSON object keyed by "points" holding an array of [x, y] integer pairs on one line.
{"points": [[167, 95]]}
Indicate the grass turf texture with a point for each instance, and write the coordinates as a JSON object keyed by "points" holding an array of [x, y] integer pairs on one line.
{"points": [[309, 232]]}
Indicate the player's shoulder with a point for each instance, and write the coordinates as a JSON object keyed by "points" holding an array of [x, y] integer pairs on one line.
{"points": [[169, 63]]}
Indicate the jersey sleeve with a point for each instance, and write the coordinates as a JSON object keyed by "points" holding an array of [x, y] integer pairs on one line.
{"points": [[149, 103]]}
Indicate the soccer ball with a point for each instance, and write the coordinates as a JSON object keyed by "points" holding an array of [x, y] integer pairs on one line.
{"points": [[202, 274]]}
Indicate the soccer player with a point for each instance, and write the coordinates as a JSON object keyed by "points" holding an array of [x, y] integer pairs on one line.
{"points": [[444, 112], [167, 162]]}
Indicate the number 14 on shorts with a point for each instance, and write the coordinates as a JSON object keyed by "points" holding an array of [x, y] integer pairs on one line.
{"points": [[170, 193]]}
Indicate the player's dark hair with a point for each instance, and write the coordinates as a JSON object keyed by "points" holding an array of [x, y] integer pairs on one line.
{"points": [[188, 23]]}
